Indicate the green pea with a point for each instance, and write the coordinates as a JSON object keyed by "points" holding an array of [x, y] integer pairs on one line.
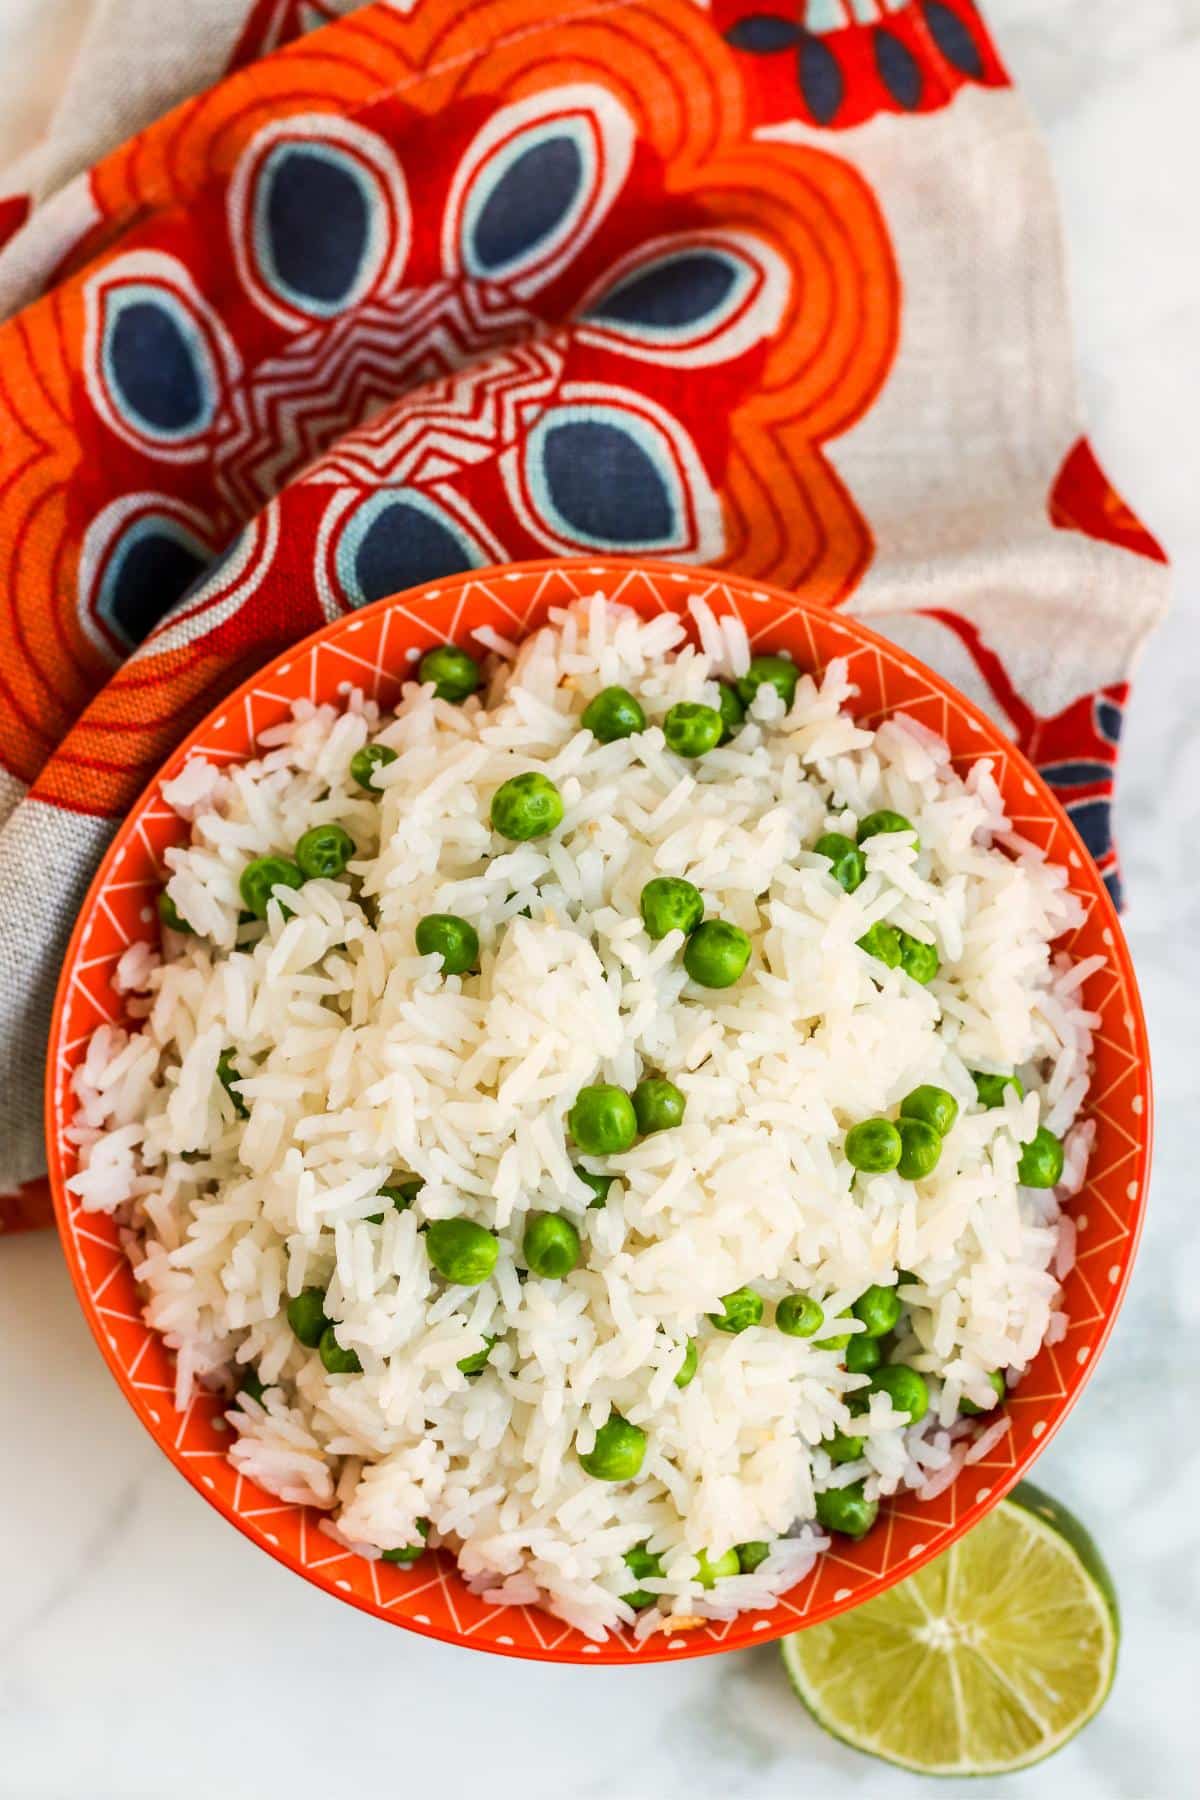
{"points": [[999, 1387], [879, 1309], [669, 903], [599, 1185], [883, 823], [1041, 1163], [398, 1194], [919, 961], [259, 879], [874, 1146], [863, 1354], [364, 763], [778, 671], [526, 806], [750, 1556], [933, 1104], [882, 941], [841, 1340], [905, 1388], [602, 1120], [337, 1360], [658, 1104], [455, 940], [642, 1562], [477, 1362], [798, 1316], [227, 1074], [846, 1510], [857, 1403], [742, 1309], [551, 1245], [613, 714], [408, 1553], [617, 1453], [990, 1088], [713, 1569], [689, 1365], [692, 729], [170, 915], [306, 1316], [461, 1250], [639, 1599], [732, 709], [922, 1146], [250, 1384], [841, 1448], [716, 954], [454, 674], [643, 1565], [849, 864], [324, 850]]}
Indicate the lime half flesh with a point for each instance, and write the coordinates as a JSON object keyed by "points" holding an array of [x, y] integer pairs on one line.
{"points": [[989, 1659]]}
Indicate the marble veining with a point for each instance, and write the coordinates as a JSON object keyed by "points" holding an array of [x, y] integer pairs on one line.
{"points": [[147, 1650]]}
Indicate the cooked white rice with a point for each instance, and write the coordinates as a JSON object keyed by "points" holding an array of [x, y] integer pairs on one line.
{"points": [[360, 1059]]}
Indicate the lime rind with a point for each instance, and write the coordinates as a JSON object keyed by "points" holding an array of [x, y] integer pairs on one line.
{"points": [[1043, 1506], [986, 1661]]}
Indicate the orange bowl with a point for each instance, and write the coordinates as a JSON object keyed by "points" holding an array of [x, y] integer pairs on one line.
{"points": [[373, 649]]}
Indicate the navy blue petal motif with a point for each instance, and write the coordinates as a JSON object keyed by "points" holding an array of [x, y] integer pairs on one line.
{"points": [[762, 33], [1109, 719], [153, 573], [151, 366], [528, 203], [317, 220], [1076, 774], [1116, 891], [1092, 819], [674, 291], [403, 546], [605, 485], [397, 538], [953, 39], [821, 80], [898, 70], [151, 565]]}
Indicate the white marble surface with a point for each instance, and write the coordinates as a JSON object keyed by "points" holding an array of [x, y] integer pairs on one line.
{"points": [[147, 1650]]}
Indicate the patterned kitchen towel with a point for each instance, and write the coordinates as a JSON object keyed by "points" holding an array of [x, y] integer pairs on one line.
{"points": [[772, 287]]}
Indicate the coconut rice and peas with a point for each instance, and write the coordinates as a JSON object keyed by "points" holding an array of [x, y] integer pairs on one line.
{"points": [[608, 1117]]}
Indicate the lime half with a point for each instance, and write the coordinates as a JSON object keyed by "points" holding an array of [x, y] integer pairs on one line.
{"points": [[988, 1659]]}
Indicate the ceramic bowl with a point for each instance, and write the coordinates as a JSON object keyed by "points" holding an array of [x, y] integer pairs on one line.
{"points": [[374, 649]]}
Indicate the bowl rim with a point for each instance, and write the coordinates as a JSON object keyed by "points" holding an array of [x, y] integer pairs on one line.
{"points": [[660, 1648]]}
